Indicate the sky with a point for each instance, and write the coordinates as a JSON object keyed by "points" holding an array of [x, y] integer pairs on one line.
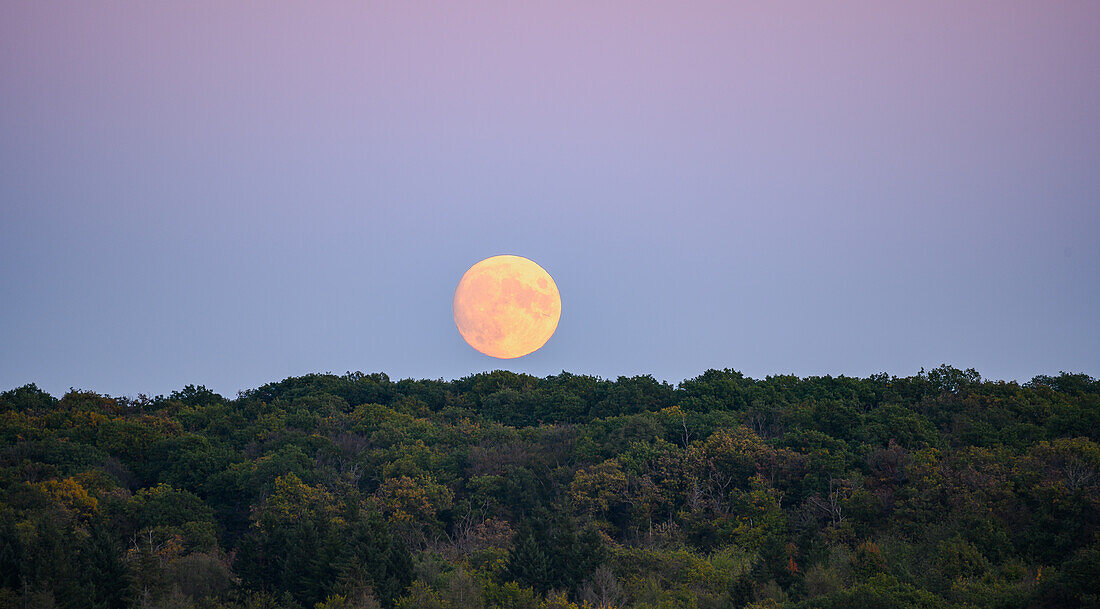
{"points": [[227, 194]]}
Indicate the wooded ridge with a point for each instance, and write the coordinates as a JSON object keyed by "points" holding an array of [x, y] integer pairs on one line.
{"points": [[504, 490]]}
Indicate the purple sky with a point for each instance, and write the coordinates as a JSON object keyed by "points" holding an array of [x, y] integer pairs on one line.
{"points": [[228, 194]]}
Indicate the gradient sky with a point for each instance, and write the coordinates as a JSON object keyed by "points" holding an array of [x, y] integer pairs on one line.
{"points": [[231, 193]]}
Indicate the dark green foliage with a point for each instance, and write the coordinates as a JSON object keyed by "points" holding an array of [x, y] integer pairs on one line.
{"points": [[879, 592], [316, 555], [528, 564], [104, 575], [508, 490], [11, 552], [27, 397], [1077, 583], [550, 553], [196, 396]]}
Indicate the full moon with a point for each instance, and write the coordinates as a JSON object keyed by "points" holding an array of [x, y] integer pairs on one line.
{"points": [[506, 306]]}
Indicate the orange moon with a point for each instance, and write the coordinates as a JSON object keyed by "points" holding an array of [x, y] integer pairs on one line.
{"points": [[507, 306]]}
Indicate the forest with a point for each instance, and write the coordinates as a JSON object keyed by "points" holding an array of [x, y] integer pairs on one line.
{"points": [[504, 490]]}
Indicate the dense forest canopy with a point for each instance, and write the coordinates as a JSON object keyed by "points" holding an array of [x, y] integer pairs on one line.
{"points": [[504, 490]]}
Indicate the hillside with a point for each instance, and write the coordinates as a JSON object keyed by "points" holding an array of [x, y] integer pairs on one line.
{"points": [[503, 490]]}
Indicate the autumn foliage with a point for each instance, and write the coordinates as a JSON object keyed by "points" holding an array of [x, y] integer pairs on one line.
{"points": [[503, 490]]}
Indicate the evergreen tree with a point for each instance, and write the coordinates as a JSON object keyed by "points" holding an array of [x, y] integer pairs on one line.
{"points": [[11, 552], [528, 564], [300, 574], [105, 577]]}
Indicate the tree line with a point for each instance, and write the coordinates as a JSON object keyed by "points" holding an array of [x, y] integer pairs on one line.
{"points": [[505, 490]]}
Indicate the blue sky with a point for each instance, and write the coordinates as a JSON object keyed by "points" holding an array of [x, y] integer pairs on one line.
{"points": [[231, 195]]}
